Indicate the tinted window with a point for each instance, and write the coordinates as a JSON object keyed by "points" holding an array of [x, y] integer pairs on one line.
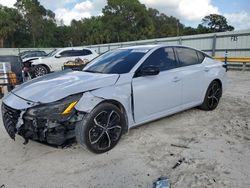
{"points": [[162, 58], [67, 53], [116, 62], [77, 53], [87, 52], [81, 52], [40, 54], [187, 56]]}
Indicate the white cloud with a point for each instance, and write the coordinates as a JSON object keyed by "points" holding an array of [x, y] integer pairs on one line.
{"points": [[8, 3], [240, 20], [185, 10], [84, 6], [81, 10], [196, 9], [68, 15]]}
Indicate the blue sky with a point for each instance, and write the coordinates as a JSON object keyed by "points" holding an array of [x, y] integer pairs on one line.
{"points": [[228, 6], [190, 12]]}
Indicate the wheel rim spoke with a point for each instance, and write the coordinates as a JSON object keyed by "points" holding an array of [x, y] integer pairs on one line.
{"points": [[91, 136], [115, 127], [211, 102], [106, 129], [214, 88], [217, 93], [96, 123], [109, 141], [100, 119], [214, 95], [111, 121], [216, 100], [114, 132], [39, 71]]}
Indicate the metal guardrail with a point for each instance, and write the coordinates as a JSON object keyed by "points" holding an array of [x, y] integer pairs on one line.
{"points": [[236, 63]]}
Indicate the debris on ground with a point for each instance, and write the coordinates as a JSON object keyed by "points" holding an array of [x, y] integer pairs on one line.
{"points": [[178, 163], [180, 146], [162, 182]]}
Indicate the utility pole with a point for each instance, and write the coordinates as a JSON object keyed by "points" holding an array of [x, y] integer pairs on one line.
{"points": [[178, 29]]}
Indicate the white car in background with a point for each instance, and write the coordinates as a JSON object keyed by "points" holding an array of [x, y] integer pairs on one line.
{"points": [[56, 59]]}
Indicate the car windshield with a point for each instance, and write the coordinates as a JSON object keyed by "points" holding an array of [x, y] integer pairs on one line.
{"points": [[118, 61], [52, 53]]}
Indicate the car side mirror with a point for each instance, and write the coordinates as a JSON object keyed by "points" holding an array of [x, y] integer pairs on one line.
{"points": [[148, 71], [58, 56]]}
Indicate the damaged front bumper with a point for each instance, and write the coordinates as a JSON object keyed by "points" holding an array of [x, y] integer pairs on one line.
{"points": [[54, 132]]}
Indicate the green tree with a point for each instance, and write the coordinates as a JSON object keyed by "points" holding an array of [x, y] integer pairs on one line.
{"points": [[165, 26], [9, 24], [216, 23], [127, 20], [36, 17]]}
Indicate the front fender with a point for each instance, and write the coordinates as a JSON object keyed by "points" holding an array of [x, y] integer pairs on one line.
{"points": [[88, 102], [121, 95]]}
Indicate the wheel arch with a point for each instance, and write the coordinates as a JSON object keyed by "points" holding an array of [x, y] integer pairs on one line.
{"points": [[220, 83], [206, 87], [89, 102]]}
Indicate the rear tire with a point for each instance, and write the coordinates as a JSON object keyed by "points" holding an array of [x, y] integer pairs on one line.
{"points": [[212, 96], [40, 70], [101, 129]]}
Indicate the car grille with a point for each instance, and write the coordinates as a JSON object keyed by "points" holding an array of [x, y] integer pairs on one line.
{"points": [[10, 119]]}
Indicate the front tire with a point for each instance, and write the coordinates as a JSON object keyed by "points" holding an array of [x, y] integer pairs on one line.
{"points": [[212, 96], [101, 129], [40, 70]]}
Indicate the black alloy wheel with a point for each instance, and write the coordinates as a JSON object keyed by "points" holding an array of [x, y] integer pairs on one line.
{"points": [[101, 130], [212, 97]]}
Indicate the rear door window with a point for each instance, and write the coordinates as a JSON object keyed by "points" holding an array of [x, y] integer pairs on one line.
{"points": [[187, 56], [81, 52]]}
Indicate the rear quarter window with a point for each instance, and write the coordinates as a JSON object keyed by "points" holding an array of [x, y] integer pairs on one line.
{"points": [[201, 56]]}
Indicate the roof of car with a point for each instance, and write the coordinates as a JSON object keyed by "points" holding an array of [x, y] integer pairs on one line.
{"points": [[149, 47], [74, 48], [144, 47]]}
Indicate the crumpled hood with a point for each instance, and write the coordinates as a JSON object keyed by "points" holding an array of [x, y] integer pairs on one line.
{"points": [[55, 86]]}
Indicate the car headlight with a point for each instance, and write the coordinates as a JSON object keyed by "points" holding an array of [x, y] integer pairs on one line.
{"points": [[58, 110]]}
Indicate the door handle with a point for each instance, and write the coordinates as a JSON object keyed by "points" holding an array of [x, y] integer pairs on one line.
{"points": [[176, 79], [206, 69]]}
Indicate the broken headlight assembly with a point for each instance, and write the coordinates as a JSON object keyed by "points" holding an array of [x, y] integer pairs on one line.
{"points": [[59, 111]]}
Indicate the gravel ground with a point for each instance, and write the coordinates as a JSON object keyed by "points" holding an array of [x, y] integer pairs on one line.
{"points": [[217, 152]]}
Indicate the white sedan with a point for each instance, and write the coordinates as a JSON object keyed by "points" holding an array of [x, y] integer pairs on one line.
{"points": [[118, 90]]}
